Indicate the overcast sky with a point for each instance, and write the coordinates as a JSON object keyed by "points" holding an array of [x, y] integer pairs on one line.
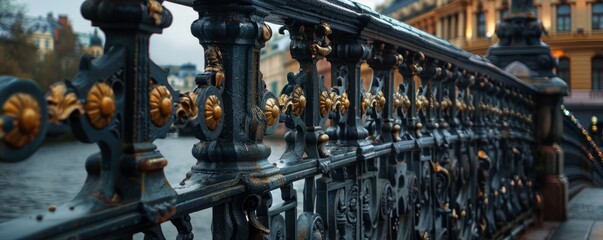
{"points": [[175, 46]]}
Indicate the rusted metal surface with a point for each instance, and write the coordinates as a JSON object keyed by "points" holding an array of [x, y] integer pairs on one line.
{"points": [[447, 154]]}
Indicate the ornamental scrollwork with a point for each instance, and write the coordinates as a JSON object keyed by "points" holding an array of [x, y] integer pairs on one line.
{"points": [[380, 101], [321, 47], [186, 108], [155, 11], [213, 56], [367, 101], [62, 103]]}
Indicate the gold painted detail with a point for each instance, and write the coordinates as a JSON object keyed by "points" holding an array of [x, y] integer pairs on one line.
{"points": [[160, 101], [433, 103], [380, 101], [213, 56], [284, 102], [266, 32], [482, 155], [325, 103], [367, 101], [401, 100], [153, 164], [446, 103], [298, 101], [27, 119], [342, 102], [213, 112], [460, 105], [272, 111], [156, 11], [421, 103], [61, 104], [187, 107], [322, 47], [397, 100], [100, 105]]}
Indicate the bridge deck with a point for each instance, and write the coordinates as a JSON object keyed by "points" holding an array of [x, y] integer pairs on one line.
{"points": [[585, 220]]}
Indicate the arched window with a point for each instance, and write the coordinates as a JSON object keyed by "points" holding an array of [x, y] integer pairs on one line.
{"points": [[597, 16], [563, 70], [597, 66], [564, 17]]}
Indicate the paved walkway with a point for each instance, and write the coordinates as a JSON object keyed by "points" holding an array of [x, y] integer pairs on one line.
{"points": [[585, 220]]}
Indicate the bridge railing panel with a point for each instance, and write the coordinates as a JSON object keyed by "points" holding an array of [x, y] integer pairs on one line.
{"points": [[448, 153]]}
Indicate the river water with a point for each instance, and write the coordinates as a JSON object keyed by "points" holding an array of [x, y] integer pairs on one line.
{"points": [[55, 174]]}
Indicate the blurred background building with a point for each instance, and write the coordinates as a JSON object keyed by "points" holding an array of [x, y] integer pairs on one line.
{"points": [[573, 29]]}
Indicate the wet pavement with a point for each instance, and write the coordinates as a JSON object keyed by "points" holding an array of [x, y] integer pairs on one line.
{"points": [[585, 220], [55, 174]]}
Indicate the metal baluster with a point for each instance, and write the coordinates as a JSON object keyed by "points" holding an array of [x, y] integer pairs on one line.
{"points": [[231, 99]]}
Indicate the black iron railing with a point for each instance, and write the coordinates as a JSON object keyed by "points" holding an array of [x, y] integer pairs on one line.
{"points": [[449, 153]]}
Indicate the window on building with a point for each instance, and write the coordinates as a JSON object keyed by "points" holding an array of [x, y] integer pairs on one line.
{"points": [[37, 42], [481, 24], [563, 70], [597, 66], [598, 16], [564, 17], [47, 44]]}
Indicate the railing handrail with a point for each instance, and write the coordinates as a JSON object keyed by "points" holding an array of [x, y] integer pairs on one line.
{"points": [[353, 17]]}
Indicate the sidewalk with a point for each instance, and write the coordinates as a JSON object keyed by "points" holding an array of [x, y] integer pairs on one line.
{"points": [[585, 220]]}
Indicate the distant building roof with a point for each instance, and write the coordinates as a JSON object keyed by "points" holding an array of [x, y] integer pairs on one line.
{"points": [[42, 24], [397, 4], [95, 40], [90, 39]]}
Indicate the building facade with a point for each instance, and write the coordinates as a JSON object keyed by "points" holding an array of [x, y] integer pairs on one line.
{"points": [[90, 43], [573, 29], [277, 63], [182, 77]]}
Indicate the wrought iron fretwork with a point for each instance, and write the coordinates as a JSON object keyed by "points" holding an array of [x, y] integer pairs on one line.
{"points": [[448, 153]]}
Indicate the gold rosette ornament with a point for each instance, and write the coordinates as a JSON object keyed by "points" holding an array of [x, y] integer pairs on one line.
{"points": [[299, 101], [160, 101], [62, 104], [27, 118], [213, 112], [325, 104], [100, 105], [272, 111]]}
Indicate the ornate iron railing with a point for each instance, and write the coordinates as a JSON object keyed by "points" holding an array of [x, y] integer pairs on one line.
{"points": [[449, 153]]}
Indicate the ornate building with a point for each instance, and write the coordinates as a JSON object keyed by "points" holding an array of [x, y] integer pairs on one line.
{"points": [[182, 77], [573, 29], [90, 43]]}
